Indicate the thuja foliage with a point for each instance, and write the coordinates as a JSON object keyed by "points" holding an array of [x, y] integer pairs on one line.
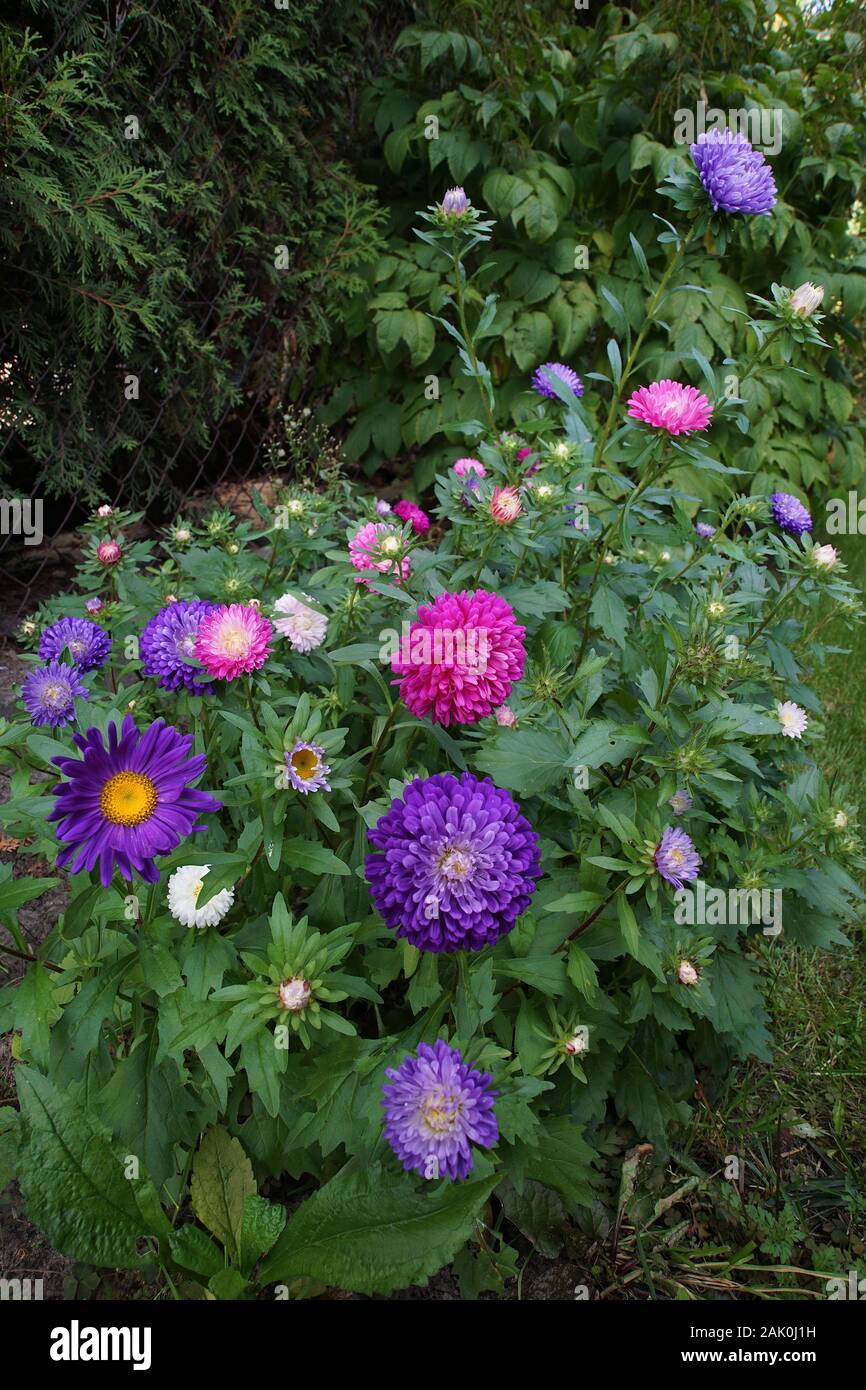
{"points": [[461, 841], [563, 122], [177, 228]]}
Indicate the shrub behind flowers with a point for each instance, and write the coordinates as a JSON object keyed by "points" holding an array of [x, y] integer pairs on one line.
{"points": [[379, 843]]}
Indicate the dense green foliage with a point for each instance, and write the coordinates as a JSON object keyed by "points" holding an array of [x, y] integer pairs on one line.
{"points": [[562, 124], [152, 169]]}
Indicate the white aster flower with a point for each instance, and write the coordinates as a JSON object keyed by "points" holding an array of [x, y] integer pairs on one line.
{"points": [[793, 718], [806, 299], [687, 974], [304, 627], [825, 556], [840, 821], [295, 994], [184, 889]]}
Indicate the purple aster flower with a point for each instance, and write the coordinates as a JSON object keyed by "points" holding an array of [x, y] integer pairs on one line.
{"points": [[129, 801], [306, 768], [676, 858], [436, 1105], [87, 643], [168, 646], [736, 177], [557, 369], [455, 202], [681, 802], [789, 513], [457, 863], [48, 693], [93, 605], [704, 530]]}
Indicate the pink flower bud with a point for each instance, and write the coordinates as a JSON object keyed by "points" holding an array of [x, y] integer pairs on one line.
{"points": [[687, 974], [109, 552], [295, 994]]}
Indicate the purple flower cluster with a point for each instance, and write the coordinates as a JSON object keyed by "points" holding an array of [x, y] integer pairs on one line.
{"points": [[789, 513], [563, 373], [736, 177], [436, 1105], [456, 864], [676, 858], [49, 692], [168, 645], [87, 643]]}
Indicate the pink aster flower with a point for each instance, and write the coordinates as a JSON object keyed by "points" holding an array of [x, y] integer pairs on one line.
{"points": [[458, 662], [505, 716], [378, 546], [109, 552], [667, 405], [505, 505], [407, 511], [232, 640], [465, 467]]}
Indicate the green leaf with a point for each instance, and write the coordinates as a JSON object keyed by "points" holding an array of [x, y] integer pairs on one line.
{"points": [[526, 761], [34, 1008], [192, 1249], [315, 858], [261, 1226], [371, 1232], [16, 891], [222, 1179], [75, 1183]]}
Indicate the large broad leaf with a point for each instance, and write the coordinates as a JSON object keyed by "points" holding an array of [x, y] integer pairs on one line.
{"points": [[75, 1183], [526, 761], [368, 1232], [315, 858], [222, 1179]]}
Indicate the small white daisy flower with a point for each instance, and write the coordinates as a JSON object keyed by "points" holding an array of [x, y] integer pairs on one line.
{"points": [[305, 628], [184, 889], [793, 718]]}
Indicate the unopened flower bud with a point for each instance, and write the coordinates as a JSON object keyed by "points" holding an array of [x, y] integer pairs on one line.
{"points": [[806, 299], [687, 974], [109, 552], [577, 1044], [824, 557], [455, 202], [295, 994]]}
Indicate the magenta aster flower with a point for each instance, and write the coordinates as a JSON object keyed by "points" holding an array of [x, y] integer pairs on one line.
{"points": [[306, 768], [49, 692], [109, 553], [436, 1106], [87, 643], [736, 177], [668, 405], [788, 513], [676, 858], [465, 468], [233, 639], [460, 658], [168, 646], [563, 373], [456, 863], [129, 801], [407, 511], [378, 546]]}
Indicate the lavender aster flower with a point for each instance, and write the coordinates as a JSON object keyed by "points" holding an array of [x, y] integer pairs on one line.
{"points": [[736, 177], [128, 801], [789, 513], [87, 643], [168, 644], [676, 858], [455, 202], [306, 768], [704, 530], [48, 693], [436, 1105], [681, 802], [557, 369], [457, 863]]}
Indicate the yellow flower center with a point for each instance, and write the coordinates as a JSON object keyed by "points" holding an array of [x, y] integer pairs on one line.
{"points": [[128, 798], [305, 763], [440, 1112], [677, 856], [234, 640]]}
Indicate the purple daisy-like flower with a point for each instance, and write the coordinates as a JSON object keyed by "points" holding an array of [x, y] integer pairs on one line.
{"points": [[168, 644], [436, 1106], [457, 863], [704, 530], [564, 374], [306, 768], [681, 802], [87, 643], [676, 858], [128, 801], [49, 692], [736, 177], [789, 513]]}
